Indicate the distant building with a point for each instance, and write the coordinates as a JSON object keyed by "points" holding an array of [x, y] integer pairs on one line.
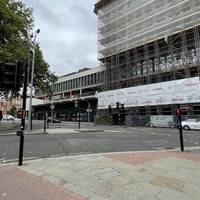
{"points": [[82, 85], [7, 104]]}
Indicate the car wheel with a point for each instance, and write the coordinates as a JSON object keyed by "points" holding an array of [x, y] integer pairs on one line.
{"points": [[152, 125], [186, 127]]}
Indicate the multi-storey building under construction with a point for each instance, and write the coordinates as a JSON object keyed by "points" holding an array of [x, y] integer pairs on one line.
{"points": [[143, 42]]}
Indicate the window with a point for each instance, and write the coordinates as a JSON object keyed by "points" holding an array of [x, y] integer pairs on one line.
{"points": [[66, 86], [92, 79], [73, 83], [89, 79], [95, 78], [85, 80], [76, 83]]}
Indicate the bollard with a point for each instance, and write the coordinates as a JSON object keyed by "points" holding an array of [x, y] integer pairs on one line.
{"points": [[21, 147], [178, 114]]}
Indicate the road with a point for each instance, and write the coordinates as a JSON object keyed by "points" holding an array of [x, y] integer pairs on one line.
{"points": [[112, 139], [10, 127]]}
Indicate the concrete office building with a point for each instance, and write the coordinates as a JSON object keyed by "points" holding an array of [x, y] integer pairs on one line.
{"points": [[148, 42], [81, 85]]}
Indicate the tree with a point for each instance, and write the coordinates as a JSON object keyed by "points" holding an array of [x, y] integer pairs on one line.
{"points": [[16, 25], [43, 78], [12, 111]]}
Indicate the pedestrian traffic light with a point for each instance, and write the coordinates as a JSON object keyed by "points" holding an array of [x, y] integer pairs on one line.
{"points": [[178, 111], [11, 76]]}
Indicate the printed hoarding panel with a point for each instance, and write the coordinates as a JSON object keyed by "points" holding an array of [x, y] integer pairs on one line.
{"points": [[171, 92]]}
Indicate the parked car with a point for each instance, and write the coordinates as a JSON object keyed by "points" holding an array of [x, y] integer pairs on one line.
{"points": [[140, 120], [161, 121], [7, 117], [191, 124], [17, 119], [50, 119]]}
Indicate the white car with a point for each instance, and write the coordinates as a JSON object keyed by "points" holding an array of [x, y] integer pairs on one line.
{"points": [[191, 124], [7, 117]]}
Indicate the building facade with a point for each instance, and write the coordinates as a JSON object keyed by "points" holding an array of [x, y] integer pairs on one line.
{"points": [[143, 42], [81, 86], [7, 104]]}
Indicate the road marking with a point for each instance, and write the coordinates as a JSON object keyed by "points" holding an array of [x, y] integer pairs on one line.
{"points": [[113, 131]]}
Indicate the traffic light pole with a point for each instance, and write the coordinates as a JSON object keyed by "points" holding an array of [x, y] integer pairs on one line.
{"points": [[45, 122], [21, 132]]}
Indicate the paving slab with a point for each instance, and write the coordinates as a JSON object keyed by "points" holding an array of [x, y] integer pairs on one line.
{"points": [[156, 175], [17, 184]]}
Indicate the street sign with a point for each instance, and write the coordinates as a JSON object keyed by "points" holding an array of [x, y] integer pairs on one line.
{"points": [[52, 106], [89, 110]]}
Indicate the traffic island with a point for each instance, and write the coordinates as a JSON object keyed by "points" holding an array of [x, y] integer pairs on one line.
{"points": [[89, 130]]}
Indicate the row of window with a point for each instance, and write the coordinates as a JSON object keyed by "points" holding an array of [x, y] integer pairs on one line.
{"points": [[80, 82]]}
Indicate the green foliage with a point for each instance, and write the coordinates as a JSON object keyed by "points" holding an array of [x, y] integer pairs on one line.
{"points": [[16, 22], [43, 78], [16, 25], [12, 111]]}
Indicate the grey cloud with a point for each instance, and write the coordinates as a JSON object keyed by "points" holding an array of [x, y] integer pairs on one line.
{"points": [[68, 33]]}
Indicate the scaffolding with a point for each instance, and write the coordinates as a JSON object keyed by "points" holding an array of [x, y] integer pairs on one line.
{"points": [[125, 24], [148, 41], [132, 40]]}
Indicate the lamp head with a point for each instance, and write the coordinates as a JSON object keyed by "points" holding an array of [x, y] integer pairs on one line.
{"points": [[166, 38]]}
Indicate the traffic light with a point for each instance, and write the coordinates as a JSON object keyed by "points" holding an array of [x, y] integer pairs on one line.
{"points": [[20, 74], [11, 76], [79, 103], [117, 105], [109, 109], [7, 75], [178, 112]]}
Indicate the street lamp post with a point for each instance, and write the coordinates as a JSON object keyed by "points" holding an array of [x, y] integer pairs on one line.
{"points": [[31, 86]]}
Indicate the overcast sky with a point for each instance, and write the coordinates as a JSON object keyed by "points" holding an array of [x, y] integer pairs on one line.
{"points": [[68, 36]]}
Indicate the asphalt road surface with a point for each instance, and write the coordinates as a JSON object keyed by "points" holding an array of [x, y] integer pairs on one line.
{"points": [[112, 139]]}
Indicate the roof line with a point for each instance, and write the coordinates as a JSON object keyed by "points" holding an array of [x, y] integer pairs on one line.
{"points": [[101, 4]]}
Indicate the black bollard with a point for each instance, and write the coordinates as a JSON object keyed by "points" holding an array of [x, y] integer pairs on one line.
{"points": [[178, 114]]}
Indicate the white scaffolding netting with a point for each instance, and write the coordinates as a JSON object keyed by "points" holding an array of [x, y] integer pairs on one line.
{"points": [[125, 24]]}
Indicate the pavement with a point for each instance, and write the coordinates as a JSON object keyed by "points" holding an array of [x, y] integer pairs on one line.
{"points": [[145, 175]]}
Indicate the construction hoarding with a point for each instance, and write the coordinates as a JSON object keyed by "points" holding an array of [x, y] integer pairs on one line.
{"points": [[170, 92]]}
